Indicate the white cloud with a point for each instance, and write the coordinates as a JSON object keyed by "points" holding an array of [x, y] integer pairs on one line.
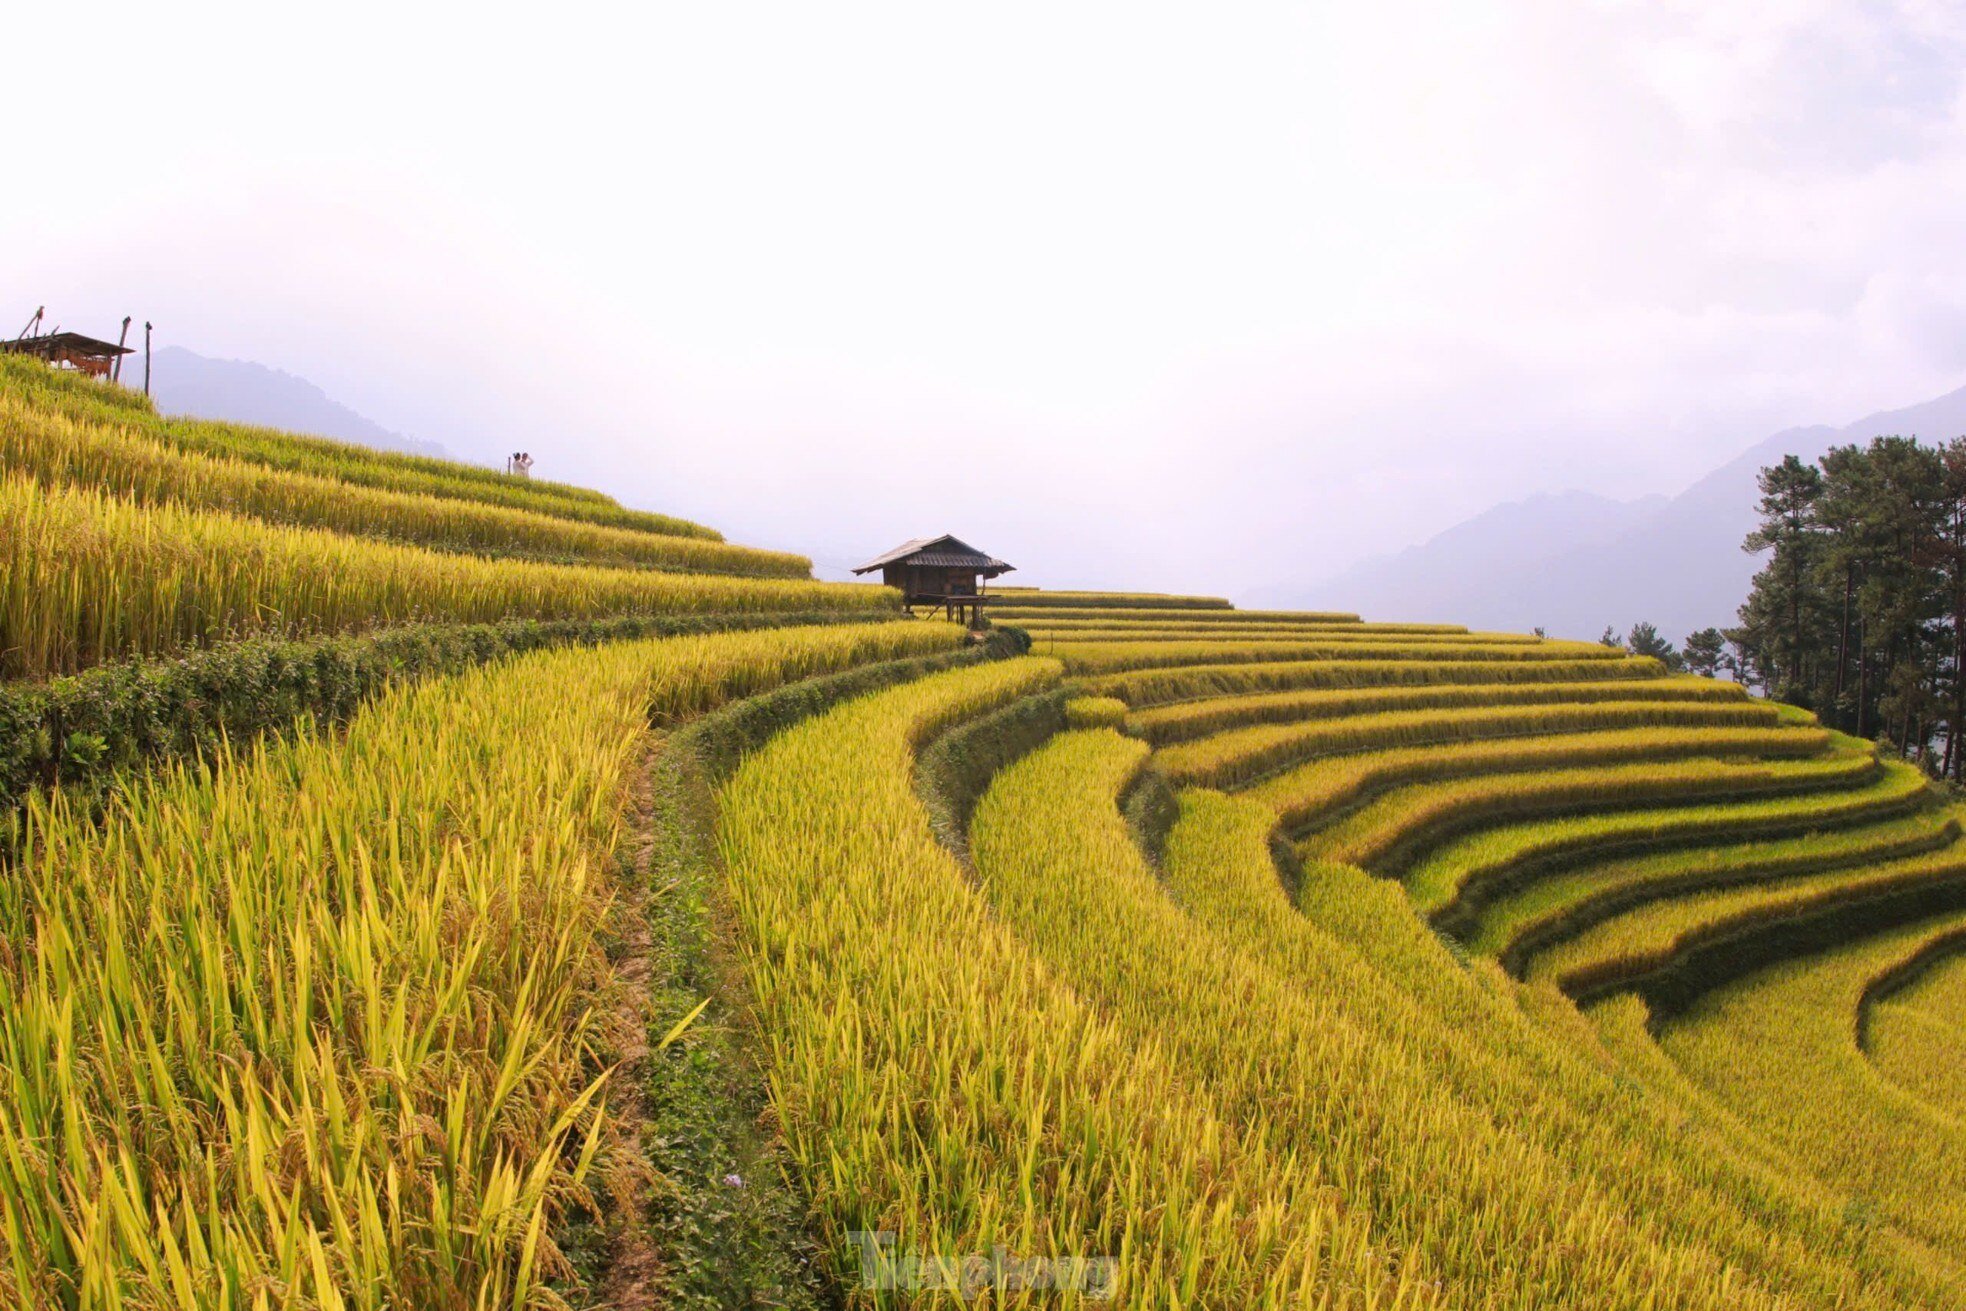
{"points": [[1163, 288]]}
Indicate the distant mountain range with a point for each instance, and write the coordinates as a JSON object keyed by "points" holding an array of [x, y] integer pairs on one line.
{"points": [[1574, 562], [184, 382]]}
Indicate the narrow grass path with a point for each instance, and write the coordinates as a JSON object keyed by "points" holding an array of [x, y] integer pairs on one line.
{"points": [[334, 1017]]}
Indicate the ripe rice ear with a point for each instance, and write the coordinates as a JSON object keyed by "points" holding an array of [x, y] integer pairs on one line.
{"points": [[324, 1017], [87, 577], [123, 461], [1454, 883], [1185, 721], [1118, 657], [916, 1059], [1234, 758], [1171, 685]]}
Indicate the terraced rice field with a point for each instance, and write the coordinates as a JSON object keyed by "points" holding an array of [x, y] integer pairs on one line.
{"points": [[321, 1012], [567, 952], [1912, 1034], [403, 926], [1359, 879]]}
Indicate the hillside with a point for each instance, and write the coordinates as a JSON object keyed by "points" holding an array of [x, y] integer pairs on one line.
{"points": [[1573, 563], [424, 888], [196, 386]]}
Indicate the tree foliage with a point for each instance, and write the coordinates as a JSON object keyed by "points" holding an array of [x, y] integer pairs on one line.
{"points": [[1706, 654], [1645, 640], [1859, 612]]}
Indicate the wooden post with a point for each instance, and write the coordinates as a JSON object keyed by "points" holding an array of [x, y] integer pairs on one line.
{"points": [[116, 370], [146, 357]]}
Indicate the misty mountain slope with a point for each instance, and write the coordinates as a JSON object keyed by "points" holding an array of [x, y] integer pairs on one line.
{"points": [[1490, 562], [239, 391], [1676, 561]]}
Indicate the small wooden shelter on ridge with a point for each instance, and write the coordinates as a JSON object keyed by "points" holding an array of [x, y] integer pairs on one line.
{"points": [[943, 573], [87, 354]]}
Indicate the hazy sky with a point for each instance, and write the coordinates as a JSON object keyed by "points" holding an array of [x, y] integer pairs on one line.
{"points": [[1194, 297]]}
